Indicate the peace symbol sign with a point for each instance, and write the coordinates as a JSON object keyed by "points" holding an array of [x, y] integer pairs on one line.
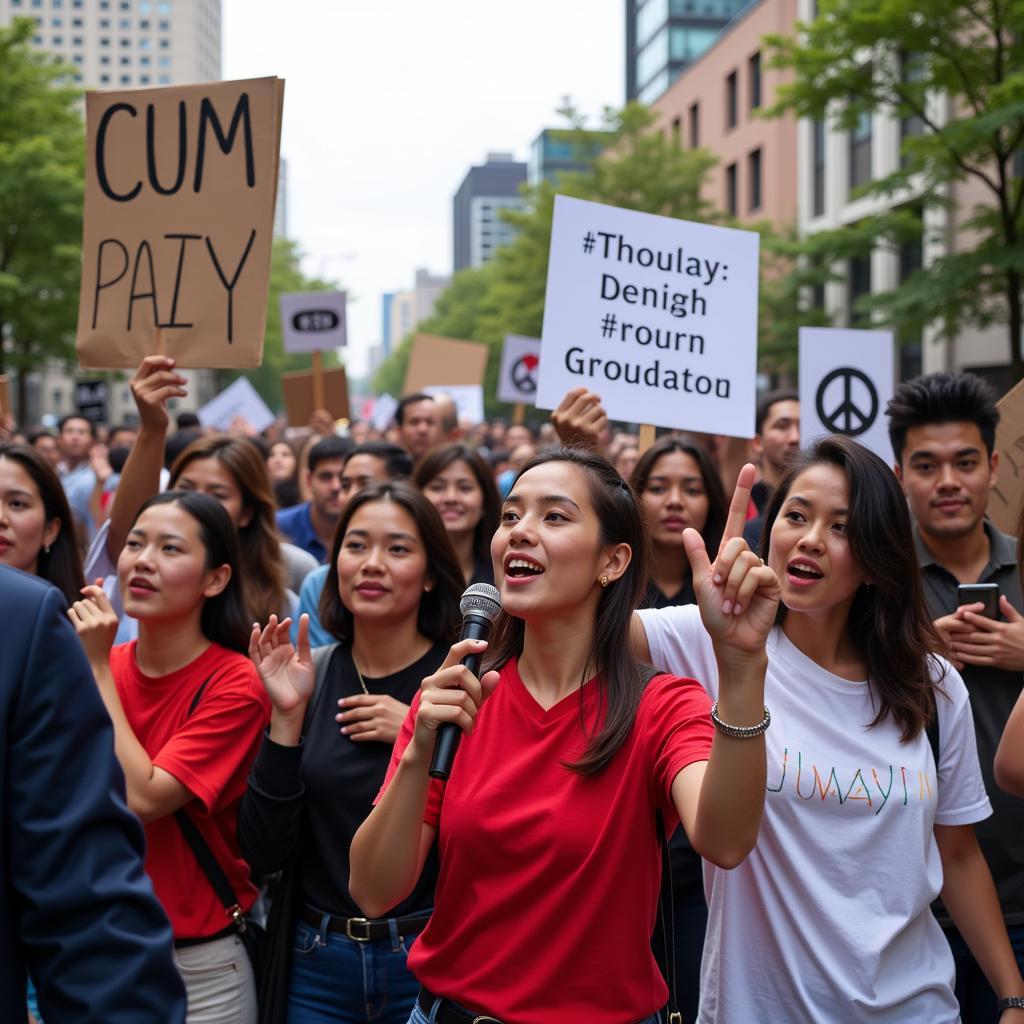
{"points": [[844, 414], [524, 373]]}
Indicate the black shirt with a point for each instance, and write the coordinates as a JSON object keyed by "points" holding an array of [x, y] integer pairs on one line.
{"points": [[337, 781], [993, 693]]}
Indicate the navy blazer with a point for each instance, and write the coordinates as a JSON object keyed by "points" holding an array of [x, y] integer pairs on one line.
{"points": [[77, 909]]}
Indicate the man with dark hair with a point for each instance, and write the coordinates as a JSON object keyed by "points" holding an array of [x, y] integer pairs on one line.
{"points": [[45, 443], [310, 525], [943, 427], [75, 436], [187, 421], [370, 463], [419, 427], [776, 439]]}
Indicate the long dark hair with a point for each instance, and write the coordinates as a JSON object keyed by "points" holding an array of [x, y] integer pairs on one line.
{"points": [[223, 619], [718, 504], [438, 616], [437, 460], [61, 565], [621, 522], [264, 583], [888, 621]]}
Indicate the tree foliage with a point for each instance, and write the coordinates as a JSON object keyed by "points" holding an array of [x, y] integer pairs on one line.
{"points": [[41, 186], [951, 71]]}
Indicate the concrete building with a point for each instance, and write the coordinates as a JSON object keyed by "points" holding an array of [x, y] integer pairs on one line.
{"points": [[664, 36], [401, 312], [553, 154], [478, 230], [714, 103], [121, 44]]}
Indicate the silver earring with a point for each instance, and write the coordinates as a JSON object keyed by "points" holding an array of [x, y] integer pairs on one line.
{"points": [[46, 550]]}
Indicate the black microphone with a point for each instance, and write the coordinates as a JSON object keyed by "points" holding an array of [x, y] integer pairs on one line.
{"points": [[479, 605]]}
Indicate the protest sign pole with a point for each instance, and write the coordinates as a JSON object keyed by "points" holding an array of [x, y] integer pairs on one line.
{"points": [[519, 413], [319, 402], [646, 436]]}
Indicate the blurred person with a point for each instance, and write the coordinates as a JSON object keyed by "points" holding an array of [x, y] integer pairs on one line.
{"points": [[79, 914], [943, 427], [776, 440], [37, 533], [359, 431], [188, 421], [75, 436], [450, 428], [311, 524], [570, 755], [418, 424], [459, 484], [392, 607], [547, 435], [121, 436], [517, 458], [188, 711], [626, 459], [283, 467], [45, 442], [517, 434], [496, 433]]}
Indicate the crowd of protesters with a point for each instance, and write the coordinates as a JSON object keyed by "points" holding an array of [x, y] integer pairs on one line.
{"points": [[740, 746]]}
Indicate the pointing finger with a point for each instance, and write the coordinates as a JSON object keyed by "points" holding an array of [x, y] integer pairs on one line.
{"points": [[740, 503]]}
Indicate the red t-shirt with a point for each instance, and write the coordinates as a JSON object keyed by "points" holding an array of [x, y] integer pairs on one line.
{"points": [[548, 891], [210, 752]]}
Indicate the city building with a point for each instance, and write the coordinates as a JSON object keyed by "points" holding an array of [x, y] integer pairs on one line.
{"points": [[553, 153], [664, 36], [387, 300], [714, 104], [120, 44], [401, 312], [478, 229]]}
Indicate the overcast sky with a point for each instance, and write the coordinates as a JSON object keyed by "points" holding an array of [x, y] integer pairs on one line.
{"points": [[389, 102]]}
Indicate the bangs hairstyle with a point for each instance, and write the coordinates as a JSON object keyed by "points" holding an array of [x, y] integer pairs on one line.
{"points": [[260, 543], [718, 504], [620, 520], [888, 621], [223, 619], [62, 566], [439, 616], [436, 461]]}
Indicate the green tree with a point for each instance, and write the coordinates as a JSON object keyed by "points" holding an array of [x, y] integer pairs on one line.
{"points": [[285, 276], [41, 184], [909, 61]]}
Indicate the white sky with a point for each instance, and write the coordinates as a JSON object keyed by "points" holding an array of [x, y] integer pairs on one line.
{"points": [[389, 102]]}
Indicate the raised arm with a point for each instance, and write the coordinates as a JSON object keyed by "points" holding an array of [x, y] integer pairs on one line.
{"points": [[153, 384]]}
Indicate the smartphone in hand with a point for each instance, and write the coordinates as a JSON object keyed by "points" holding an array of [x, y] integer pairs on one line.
{"points": [[986, 593]]}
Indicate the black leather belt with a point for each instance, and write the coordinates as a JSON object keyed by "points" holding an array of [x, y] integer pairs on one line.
{"points": [[362, 929], [451, 1013]]}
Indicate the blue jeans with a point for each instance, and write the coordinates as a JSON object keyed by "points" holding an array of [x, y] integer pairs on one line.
{"points": [[419, 1017], [973, 992], [336, 980]]}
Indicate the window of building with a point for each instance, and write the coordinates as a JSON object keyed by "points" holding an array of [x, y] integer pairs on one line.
{"points": [[57, 41], [165, 79], [76, 23], [731, 189], [144, 43], [858, 284], [754, 175], [125, 61], [125, 43], [126, 5], [653, 57], [15, 3], [57, 22], [818, 156], [77, 58], [694, 125], [911, 72], [165, 62], [124, 24], [104, 40], [677, 132], [104, 59], [104, 79], [165, 26], [143, 79], [144, 24], [651, 17], [145, 7], [165, 44], [104, 5], [754, 76], [104, 23], [860, 147], [37, 3], [731, 109], [126, 79], [37, 40], [688, 42], [145, 60], [163, 8]]}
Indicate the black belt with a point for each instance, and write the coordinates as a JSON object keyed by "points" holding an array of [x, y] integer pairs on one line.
{"points": [[223, 933], [362, 929], [451, 1013]]}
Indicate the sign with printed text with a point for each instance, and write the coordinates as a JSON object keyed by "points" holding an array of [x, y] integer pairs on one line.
{"points": [[1005, 499], [520, 370], [468, 399], [298, 395], [180, 186], [847, 377], [444, 362], [313, 321], [91, 400], [656, 315], [238, 401]]}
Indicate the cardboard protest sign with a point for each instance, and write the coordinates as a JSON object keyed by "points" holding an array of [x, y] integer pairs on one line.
{"points": [[847, 377], [658, 316], [313, 321], [520, 370], [298, 395], [468, 399], [444, 362], [1005, 498], [5, 397], [179, 209], [239, 399]]}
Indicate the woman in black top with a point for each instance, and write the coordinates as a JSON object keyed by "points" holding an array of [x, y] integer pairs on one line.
{"points": [[392, 599], [678, 487]]}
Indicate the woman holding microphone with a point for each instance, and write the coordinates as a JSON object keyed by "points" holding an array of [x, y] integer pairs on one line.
{"points": [[570, 758]]}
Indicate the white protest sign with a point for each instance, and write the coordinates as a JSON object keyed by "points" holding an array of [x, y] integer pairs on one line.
{"points": [[658, 316], [240, 399], [313, 321], [520, 370], [383, 412], [846, 378], [468, 399]]}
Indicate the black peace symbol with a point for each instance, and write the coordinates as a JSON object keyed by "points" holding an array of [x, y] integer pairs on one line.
{"points": [[523, 370], [846, 417]]}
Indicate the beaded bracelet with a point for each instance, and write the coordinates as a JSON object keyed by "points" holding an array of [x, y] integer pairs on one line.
{"points": [[740, 732]]}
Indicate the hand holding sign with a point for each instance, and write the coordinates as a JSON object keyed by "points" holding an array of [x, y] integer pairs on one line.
{"points": [[154, 382], [580, 419]]}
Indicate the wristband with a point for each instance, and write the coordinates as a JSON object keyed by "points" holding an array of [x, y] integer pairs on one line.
{"points": [[740, 732], [1010, 1003]]}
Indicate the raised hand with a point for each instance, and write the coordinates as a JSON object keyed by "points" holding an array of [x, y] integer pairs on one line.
{"points": [[738, 594], [95, 622], [580, 418], [153, 384], [286, 671]]}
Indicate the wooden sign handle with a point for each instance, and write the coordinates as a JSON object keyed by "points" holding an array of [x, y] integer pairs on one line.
{"points": [[519, 413], [646, 436], [319, 401]]}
